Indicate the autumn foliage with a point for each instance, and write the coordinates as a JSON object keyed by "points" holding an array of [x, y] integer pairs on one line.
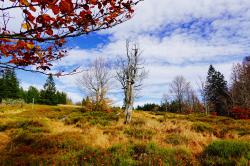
{"points": [[46, 24], [240, 113]]}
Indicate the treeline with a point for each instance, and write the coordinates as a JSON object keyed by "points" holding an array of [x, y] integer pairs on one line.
{"points": [[10, 89], [216, 96]]}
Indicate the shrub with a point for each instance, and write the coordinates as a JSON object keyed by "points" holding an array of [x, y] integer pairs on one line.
{"points": [[226, 153], [121, 155], [202, 127], [26, 124], [101, 117], [176, 139], [151, 154], [93, 117], [138, 122], [13, 102], [139, 133], [240, 113], [73, 118]]}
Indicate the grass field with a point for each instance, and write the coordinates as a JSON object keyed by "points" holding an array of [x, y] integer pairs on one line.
{"points": [[64, 135]]}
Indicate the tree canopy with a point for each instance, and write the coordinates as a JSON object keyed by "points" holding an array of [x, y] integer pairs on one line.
{"points": [[46, 23], [216, 90]]}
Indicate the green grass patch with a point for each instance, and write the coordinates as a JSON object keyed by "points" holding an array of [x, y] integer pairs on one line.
{"points": [[202, 127], [151, 154], [226, 153], [93, 117], [33, 125]]}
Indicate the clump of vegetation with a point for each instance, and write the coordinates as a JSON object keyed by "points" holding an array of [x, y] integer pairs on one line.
{"points": [[26, 124], [139, 133], [226, 153], [73, 118], [138, 122], [101, 117], [147, 154], [202, 127], [176, 139], [13, 102], [121, 155], [93, 117]]}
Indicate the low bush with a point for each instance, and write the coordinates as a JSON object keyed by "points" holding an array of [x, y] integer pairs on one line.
{"points": [[226, 153], [139, 133], [26, 124], [100, 117], [93, 117], [176, 139], [73, 118], [13, 102], [240, 113], [151, 154], [138, 122], [202, 127]]}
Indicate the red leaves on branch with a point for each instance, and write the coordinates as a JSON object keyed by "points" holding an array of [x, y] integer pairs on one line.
{"points": [[47, 23], [66, 6]]}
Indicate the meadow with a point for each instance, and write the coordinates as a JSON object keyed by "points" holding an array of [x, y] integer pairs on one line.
{"points": [[68, 135]]}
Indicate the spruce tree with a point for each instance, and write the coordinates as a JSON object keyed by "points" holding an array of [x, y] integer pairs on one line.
{"points": [[216, 92], [32, 93], [10, 84], [48, 94], [23, 94], [61, 97]]}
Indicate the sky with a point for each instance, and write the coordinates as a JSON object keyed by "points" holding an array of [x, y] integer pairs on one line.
{"points": [[177, 37]]}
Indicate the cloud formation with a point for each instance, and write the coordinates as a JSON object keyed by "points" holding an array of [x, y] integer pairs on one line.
{"points": [[177, 38]]}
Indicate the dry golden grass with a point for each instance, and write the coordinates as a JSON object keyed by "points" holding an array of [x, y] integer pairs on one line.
{"points": [[62, 132]]}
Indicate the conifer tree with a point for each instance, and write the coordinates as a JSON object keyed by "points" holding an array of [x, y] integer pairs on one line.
{"points": [[48, 94], [32, 93], [61, 97], [22, 94], [216, 91], [10, 84]]}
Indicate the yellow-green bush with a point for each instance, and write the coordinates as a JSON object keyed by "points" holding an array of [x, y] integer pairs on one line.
{"points": [[139, 133], [202, 127], [226, 153]]}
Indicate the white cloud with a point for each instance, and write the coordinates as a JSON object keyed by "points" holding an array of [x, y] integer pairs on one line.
{"points": [[177, 38]]}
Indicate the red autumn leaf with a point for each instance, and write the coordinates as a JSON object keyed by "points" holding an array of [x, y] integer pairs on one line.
{"points": [[71, 29], [49, 32], [66, 6], [55, 9]]}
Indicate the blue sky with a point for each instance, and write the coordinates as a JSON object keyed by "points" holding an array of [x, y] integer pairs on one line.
{"points": [[177, 38]]}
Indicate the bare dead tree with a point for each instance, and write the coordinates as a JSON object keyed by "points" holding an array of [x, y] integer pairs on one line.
{"points": [[201, 86], [130, 74], [96, 81], [240, 88], [179, 87], [165, 102]]}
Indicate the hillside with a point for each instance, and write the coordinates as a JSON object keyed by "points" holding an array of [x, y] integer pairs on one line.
{"points": [[61, 135]]}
